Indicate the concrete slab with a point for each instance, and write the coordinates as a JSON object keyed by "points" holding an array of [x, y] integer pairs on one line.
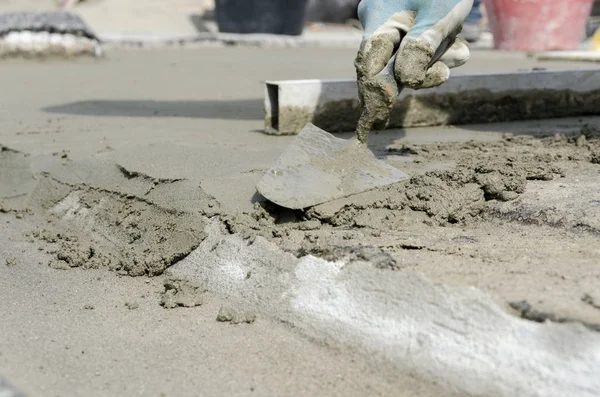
{"points": [[91, 333], [181, 129]]}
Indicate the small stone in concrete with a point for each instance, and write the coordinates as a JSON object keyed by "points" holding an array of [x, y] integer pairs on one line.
{"points": [[233, 316], [180, 293]]}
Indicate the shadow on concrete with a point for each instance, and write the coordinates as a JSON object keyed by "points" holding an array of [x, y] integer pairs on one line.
{"points": [[236, 109], [204, 22]]}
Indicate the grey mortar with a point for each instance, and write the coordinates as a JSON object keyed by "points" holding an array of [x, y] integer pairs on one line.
{"points": [[102, 215], [456, 337]]}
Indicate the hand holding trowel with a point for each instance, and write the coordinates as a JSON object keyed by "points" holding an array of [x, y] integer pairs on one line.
{"points": [[406, 43]]}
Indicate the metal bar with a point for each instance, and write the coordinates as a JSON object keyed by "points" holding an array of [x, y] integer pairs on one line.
{"points": [[463, 99], [574, 56]]}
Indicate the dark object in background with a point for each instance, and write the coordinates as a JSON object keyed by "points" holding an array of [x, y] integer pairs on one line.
{"points": [[61, 22], [596, 9], [594, 22], [333, 11], [285, 17]]}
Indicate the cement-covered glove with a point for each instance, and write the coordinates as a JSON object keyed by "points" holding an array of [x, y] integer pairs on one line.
{"points": [[410, 41]]}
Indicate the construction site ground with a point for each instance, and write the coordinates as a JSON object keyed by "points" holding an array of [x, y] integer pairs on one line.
{"points": [[124, 180]]}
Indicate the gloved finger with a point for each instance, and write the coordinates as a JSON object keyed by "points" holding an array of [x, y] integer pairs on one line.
{"points": [[436, 75], [457, 55], [374, 54], [379, 45], [378, 95], [434, 27]]}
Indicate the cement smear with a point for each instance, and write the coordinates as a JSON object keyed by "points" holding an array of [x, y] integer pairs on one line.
{"points": [[106, 215], [101, 229], [102, 215], [180, 293], [16, 179]]}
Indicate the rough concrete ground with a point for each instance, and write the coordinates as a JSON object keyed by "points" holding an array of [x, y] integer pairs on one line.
{"points": [[74, 333], [177, 134]]}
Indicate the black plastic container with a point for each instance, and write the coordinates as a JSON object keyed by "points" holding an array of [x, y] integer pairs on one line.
{"points": [[596, 9], [285, 17]]}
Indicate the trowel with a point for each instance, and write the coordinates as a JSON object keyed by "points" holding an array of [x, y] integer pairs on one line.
{"points": [[318, 167]]}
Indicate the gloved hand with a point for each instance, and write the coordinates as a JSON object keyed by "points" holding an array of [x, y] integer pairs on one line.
{"points": [[407, 42]]}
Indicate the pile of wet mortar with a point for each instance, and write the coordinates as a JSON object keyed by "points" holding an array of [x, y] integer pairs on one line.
{"points": [[483, 175], [103, 215]]}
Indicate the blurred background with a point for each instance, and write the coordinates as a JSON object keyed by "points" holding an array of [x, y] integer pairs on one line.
{"points": [[113, 19]]}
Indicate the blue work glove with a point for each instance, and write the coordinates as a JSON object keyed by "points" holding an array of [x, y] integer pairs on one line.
{"points": [[408, 42], [420, 29]]}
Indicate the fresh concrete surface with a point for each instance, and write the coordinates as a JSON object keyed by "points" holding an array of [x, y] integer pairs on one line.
{"points": [[182, 106], [164, 115], [91, 333]]}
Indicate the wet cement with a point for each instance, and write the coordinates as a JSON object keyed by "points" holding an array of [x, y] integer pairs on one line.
{"points": [[491, 249], [102, 215], [115, 215], [518, 208], [377, 86], [472, 182]]}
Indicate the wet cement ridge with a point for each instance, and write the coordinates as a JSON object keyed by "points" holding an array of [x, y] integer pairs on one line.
{"points": [[93, 228], [455, 336], [125, 196], [102, 215], [548, 217], [488, 173], [484, 176], [527, 312], [136, 174]]}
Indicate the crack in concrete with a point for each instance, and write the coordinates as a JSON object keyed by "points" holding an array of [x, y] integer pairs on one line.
{"points": [[587, 298], [527, 312]]}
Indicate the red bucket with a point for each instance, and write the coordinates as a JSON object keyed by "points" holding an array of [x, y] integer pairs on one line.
{"points": [[538, 25]]}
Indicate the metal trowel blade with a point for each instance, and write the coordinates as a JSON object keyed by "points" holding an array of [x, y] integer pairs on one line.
{"points": [[318, 167]]}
